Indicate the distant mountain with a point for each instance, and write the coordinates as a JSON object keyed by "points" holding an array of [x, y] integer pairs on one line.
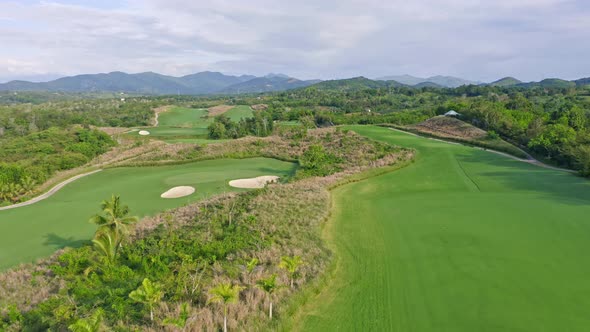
{"points": [[444, 81], [267, 84], [157, 84], [427, 85], [583, 81], [354, 84], [549, 83], [404, 79], [506, 81], [211, 82], [279, 75]]}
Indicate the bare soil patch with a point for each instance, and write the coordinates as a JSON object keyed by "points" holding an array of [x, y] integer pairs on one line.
{"points": [[259, 107], [219, 109]]}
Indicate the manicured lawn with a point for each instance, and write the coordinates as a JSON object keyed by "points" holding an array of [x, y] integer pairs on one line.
{"points": [[460, 240], [181, 123], [36, 231], [184, 117], [239, 112]]}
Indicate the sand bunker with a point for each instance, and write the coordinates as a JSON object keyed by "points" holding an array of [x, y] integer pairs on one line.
{"points": [[258, 182], [177, 192], [144, 132]]}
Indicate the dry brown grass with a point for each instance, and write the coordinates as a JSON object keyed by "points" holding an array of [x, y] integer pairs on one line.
{"points": [[450, 127], [219, 109], [112, 130], [259, 107]]}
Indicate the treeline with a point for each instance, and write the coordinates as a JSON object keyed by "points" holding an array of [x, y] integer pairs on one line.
{"points": [[261, 125], [551, 123], [555, 128], [30, 160], [23, 119]]}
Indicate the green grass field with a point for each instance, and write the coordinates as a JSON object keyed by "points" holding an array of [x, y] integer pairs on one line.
{"points": [[460, 240], [189, 124], [36, 231]]}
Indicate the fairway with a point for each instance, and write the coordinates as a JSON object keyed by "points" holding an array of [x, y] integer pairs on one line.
{"points": [[460, 240], [188, 124], [61, 220]]}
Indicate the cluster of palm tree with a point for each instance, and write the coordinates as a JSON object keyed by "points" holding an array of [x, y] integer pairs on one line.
{"points": [[227, 293], [12, 192], [113, 228]]}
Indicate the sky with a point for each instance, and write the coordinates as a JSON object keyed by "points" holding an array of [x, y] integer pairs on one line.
{"points": [[308, 39]]}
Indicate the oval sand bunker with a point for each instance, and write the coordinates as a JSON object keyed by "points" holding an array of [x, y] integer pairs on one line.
{"points": [[177, 192], [258, 182], [144, 132]]}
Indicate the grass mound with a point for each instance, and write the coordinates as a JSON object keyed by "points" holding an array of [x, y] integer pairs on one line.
{"points": [[453, 129]]}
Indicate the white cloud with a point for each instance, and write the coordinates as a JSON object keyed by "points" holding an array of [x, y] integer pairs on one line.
{"points": [[475, 39]]}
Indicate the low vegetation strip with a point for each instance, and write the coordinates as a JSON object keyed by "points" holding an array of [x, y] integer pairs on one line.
{"points": [[257, 248]]}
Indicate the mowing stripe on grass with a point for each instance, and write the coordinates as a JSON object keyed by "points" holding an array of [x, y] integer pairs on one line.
{"points": [[419, 250]]}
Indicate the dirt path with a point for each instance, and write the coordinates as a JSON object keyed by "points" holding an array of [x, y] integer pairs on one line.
{"points": [[159, 110], [530, 159], [48, 193]]}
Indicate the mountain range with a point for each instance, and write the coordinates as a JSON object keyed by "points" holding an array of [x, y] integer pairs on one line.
{"points": [[443, 81], [207, 82]]}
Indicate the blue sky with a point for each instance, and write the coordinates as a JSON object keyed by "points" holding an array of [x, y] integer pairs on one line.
{"points": [[479, 40]]}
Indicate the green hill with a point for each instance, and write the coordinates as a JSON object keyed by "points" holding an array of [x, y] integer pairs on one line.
{"points": [[506, 81], [354, 84]]}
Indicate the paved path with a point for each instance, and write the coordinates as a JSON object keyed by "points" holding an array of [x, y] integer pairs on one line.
{"points": [[49, 193]]}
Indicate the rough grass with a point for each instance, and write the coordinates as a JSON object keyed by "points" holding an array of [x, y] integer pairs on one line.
{"points": [[460, 240]]}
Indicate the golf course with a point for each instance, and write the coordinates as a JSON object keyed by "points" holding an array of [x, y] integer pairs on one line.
{"points": [[460, 240], [35, 231], [183, 124]]}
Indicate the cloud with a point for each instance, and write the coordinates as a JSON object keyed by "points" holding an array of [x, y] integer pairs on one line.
{"points": [[530, 39]]}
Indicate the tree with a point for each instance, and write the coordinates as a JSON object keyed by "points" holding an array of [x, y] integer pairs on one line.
{"points": [[291, 264], [269, 285], [115, 217], [90, 324], [149, 293], [225, 293], [107, 244]]}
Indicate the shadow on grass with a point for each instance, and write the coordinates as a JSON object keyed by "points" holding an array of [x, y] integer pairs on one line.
{"points": [[57, 241], [556, 185]]}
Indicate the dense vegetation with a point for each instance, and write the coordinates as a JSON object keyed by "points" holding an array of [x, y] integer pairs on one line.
{"points": [[30, 160]]}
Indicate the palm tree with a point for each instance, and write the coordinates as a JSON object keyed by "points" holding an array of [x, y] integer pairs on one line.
{"points": [[225, 293], [90, 324], [116, 217], [149, 293], [291, 264], [269, 285], [107, 244], [28, 185]]}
